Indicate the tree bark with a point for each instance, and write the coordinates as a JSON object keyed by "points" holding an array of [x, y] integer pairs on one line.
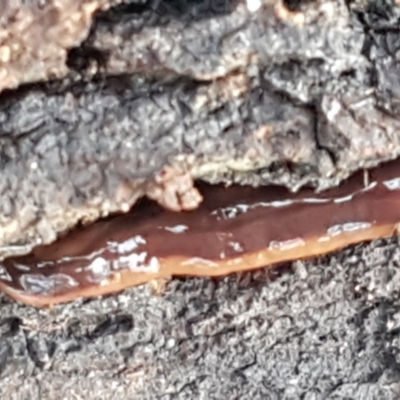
{"points": [[114, 94]]}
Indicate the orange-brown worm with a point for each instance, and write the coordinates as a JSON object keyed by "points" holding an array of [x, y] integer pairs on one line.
{"points": [[235, 229]]}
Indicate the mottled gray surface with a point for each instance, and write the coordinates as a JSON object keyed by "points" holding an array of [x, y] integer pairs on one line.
{"points": [[326, 329], [310, 101], [219, 91]]}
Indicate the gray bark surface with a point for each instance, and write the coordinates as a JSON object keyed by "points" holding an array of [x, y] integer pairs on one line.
{"points": [[324, 329], [248, 92], [216, 91]]}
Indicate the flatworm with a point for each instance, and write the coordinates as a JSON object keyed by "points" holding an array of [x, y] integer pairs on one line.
{"points": [[235, 229]]}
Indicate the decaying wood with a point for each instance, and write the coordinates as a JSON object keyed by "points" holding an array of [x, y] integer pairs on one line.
{"points": [[237, 91], [103, 102], [35, 36]]}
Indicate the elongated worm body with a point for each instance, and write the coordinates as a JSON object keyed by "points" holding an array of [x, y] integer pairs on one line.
{"points": [[234, 229]]}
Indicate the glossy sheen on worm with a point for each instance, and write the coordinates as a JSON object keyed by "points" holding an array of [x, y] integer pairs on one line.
{"points": [[235, 229]]}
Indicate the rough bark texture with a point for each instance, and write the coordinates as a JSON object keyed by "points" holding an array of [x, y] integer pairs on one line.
{"points": [[327, 329], [35, 36], [230, 91], [152, 95]]}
